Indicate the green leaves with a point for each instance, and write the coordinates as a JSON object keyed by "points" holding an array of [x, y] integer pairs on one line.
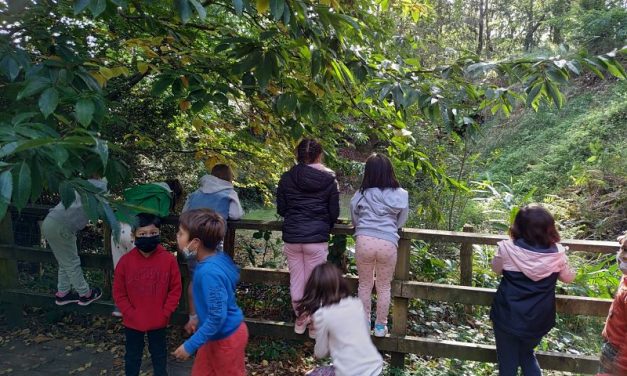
{"points": [[22, 190], [84, 111], [33, 86], [276, 8], [202, 12], [239, 7], [96, 7], [185, 11], [184, 8], [10, 67], [48, 101], [286, 103], [6, 189], [67, 192]]}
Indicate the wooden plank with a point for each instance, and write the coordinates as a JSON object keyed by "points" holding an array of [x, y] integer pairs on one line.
{"points": [[465, 260], [45, 256], [487, 353], [575, 305], [595, 246], [567, 304], [407, 233], [21, 298]]}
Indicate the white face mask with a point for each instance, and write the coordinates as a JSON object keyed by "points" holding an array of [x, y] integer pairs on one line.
{"points": [[188, 253]]}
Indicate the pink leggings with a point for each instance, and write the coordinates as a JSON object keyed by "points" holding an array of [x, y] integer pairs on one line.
{"points": [[301, 260], [375, 257]]}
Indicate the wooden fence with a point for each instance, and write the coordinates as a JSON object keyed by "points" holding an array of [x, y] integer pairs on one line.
{"points": [[398, 343]]}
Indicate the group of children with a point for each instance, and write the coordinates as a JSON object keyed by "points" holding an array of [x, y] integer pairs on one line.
{"points": [[147, 281]]}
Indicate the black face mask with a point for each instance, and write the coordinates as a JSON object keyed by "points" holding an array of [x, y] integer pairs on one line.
{"points": [[147, 244]]}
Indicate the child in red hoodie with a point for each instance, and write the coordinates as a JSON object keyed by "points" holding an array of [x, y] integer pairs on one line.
{"points": [[614, 350], [146, 289]]}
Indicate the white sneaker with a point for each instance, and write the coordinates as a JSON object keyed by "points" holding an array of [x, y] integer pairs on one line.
{"points": [[116, 312], [380, 330], [300, 325]]}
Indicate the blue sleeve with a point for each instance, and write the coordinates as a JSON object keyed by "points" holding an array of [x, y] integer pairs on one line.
{"points": [[216, 300]]}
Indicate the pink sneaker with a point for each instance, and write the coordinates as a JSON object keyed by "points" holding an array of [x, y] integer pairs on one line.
{"points": [[301, 324]]}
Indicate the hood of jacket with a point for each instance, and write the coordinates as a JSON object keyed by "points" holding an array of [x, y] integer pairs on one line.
{"points": [[212, 184], [311, 179], [534, 265], [385, 201]]}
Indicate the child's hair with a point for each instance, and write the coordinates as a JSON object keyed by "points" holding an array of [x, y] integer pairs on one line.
{"points": [[146, 219], [204, 224], [378, 173], [324, 287], [177, 191], [536, 226], [222, 171], [308, 151]]}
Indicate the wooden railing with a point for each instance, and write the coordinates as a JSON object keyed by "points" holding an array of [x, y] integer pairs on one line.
{"points": [[398, 343]]}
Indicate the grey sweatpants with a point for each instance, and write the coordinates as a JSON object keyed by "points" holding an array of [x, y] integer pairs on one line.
{"points": [[62, 241]]}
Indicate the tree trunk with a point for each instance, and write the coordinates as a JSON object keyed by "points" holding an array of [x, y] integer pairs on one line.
{"points": [[529, 33], [480, 33], [488, 42]]}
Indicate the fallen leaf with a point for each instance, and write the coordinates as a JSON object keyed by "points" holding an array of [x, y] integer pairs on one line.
{"points": [[41, 339]]}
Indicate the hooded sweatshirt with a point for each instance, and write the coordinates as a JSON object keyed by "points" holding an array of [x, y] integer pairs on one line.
{"points": [[308, 198], [341, 334], [74, 217], [214, 285], [615, 330], [217, 194], [524, 303], [380, 212], [147, 289]]}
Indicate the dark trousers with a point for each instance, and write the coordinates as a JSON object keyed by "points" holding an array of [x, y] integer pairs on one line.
{"points": [[157, 345], [513, 352]]}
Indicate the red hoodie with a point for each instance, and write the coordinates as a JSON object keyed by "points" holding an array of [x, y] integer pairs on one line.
{"points": [[615, 330], [147, 289]]}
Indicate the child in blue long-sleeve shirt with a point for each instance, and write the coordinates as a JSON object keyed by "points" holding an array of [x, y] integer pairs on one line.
{"points": [[222, 335]]}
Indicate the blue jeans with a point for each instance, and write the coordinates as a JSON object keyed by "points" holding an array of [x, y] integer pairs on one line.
{"points": [[157, 346], [513, 352]]}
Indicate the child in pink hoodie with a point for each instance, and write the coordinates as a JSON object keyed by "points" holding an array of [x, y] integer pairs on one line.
{"points": [[523, 310]]}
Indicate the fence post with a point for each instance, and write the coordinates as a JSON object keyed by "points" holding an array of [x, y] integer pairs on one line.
{"points": [[108, 273], [399, 313], [337, 252], [465, 260], [229, 241], [8, 271]]}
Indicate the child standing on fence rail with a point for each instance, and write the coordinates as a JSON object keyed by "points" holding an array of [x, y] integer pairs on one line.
{"points": [[147, 289], [153, 198], [221, 338], [378, 209], [60, 228], [614, 350], [308, 199], [216, 192], [523, 310], [339, 329]]}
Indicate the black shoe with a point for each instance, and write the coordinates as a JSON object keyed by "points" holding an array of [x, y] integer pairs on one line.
{"points": [[94, 295], [70, 297]]}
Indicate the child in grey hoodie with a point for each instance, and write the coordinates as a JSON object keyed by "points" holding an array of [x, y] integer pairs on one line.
{"points": [[378, 210]]}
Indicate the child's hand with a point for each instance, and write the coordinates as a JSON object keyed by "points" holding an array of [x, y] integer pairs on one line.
{"points": [[181, 354], [192, 324]]}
